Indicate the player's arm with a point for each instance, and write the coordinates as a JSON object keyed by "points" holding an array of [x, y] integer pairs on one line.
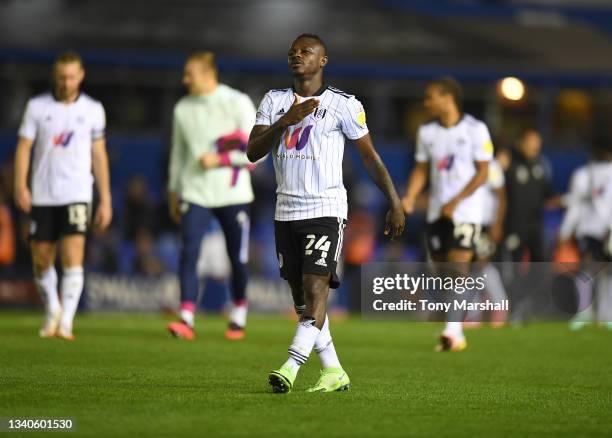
{"points": [[22, 194], [416, 184], [263, 138], [497, 229], [479, 178], [395, 219], [232, 147], [578, 191], [104, 214]]}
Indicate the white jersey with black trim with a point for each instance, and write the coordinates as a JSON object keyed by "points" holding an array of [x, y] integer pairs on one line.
{"points": [[63, 134], [589, 209], [308, 158], [451, 154]]}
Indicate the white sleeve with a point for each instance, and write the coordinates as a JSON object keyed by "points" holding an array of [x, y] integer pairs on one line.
{"points": [[496, 178], [99, 123], [577, 191], [421, 155], [246, 114], [353, 120], [29, 123], [264, 113], [482, 146]]}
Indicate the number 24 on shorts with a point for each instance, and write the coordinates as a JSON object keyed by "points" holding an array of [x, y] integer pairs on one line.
{"points": [[322, 245]]}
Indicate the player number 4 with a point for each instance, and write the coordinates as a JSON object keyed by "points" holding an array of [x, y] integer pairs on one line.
{"points": [[322, 245]]}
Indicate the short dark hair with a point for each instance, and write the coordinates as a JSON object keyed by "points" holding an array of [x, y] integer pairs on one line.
{"points": [[449, 85], [315, 37], [68, 57]]}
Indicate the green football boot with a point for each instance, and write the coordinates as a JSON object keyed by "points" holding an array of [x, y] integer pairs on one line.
{"points": [[332, 379], [282, 379]]}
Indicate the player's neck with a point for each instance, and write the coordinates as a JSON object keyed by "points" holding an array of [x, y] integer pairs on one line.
{"points": [[68, 98], [207, 88], [451, 118], [306, 87]]}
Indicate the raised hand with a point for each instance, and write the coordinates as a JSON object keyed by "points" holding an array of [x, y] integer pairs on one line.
{"points": [[299, 111]]}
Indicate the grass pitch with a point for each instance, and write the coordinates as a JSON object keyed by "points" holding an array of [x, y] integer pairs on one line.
{"points": [[124, 376]]}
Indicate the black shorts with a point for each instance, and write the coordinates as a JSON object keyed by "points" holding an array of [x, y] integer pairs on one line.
{"points": [[50, 223], [444, 235], [593, 250], [485, 247], [309, 246]]}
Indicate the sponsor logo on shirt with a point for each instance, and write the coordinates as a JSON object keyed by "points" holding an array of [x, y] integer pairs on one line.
{"points": [[446, 163], [297, 138], [361, 118], [63, 139], [597, 192]]}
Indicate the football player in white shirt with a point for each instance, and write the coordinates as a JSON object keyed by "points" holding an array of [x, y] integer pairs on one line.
{"points": [[453, 152], [305, 127], [588, 220], [63, 131]]}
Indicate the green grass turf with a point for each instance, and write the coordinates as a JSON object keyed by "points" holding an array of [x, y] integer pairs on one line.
{"points": [[124, 376]]}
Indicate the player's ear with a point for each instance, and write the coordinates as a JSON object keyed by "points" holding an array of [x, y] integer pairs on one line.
{"points": [[323, 62]]}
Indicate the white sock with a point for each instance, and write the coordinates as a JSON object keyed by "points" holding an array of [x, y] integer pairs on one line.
{"points": [[238, 313], [72, 286], [604, 298], [454, 328], [187, 317], [303, 342], [47, 287], [585, 300], [494, 283], [324, 345]]}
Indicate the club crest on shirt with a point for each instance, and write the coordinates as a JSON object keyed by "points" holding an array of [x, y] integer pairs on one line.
{"points": [[320, 113], [63, 139]]}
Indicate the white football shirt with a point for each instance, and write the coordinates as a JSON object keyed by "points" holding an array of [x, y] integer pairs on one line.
{"points": [[451, 154], [308, 159], [63, 134], [589, 212]]}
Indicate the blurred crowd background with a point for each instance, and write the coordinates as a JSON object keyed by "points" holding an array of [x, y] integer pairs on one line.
{"points": [[540, 65]]}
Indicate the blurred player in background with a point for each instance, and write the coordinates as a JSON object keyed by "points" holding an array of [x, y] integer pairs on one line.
{"points": [[529, 189], [494, 209], [305, 128], [63, 130], [529, 193], [209, 176], [453, 152], [588, 220]]}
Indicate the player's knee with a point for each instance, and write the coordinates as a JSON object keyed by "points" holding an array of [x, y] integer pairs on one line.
{"points": [[316, 285], [42, 259]]}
